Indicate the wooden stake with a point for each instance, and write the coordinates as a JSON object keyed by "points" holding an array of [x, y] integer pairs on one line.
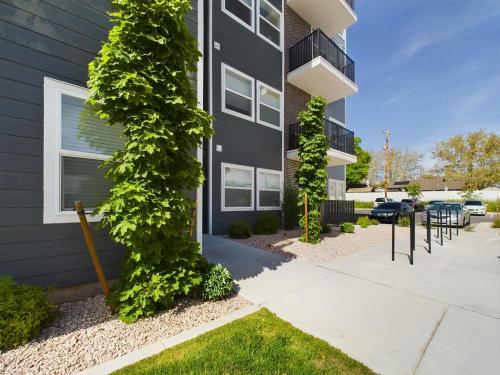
{"points": [[307, 217], [91, 247], [192, 221]]}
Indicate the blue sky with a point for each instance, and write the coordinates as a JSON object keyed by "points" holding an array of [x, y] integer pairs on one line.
{"points": [[426, 69]]}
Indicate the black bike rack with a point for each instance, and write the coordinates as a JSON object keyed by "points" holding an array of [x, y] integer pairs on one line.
{"points": [[412, 233]]}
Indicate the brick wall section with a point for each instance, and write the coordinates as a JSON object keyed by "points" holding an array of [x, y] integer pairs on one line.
{"points": [[295, 99]]}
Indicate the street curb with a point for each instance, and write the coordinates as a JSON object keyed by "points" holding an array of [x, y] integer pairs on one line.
{"points": [[167, 342]]}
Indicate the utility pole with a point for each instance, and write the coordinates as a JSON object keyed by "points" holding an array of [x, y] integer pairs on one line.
{"points": [[387, 162]]}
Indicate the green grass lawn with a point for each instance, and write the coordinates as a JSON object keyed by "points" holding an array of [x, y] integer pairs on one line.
{"points": [[260, 343]]}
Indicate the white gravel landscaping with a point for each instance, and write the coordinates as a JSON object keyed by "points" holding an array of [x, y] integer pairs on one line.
{"points": [[86, 334], [333, 245]]}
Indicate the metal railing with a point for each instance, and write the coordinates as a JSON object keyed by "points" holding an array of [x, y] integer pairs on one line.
{"points": [[319, 44], [337, 212], [337, 137], [351, 3]]}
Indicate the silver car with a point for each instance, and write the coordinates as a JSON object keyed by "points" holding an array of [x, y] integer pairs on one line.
{"points": [[459, 215]]}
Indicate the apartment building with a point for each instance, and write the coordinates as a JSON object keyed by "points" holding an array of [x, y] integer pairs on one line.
{"points": [[262, 60]]}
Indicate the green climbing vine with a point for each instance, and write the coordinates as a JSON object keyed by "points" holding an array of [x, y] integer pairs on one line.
{"points": [[311, 175], [140, 80]]}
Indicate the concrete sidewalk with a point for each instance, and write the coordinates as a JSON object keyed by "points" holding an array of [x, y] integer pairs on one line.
{"points": [[440, 316]]}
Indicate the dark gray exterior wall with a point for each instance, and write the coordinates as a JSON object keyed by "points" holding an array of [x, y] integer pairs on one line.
{"points": [[57, 39], [243, 142]]}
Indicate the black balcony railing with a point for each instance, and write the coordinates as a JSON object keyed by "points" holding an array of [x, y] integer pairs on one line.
{"points": [[319, 44], [351, 3], [337, 137]]}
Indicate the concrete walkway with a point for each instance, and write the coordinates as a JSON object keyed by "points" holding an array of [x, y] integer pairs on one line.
{"points": [[440, 316]]}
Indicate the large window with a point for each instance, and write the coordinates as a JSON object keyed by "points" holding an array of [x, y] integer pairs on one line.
{"points": [[269, 23], [76, 141], [241, 11], [268, 106], [237, 188], [237, 93], [268, 189]]}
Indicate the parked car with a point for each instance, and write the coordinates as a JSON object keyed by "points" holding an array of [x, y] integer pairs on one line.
{"points": [[463, 218], [475, 207], [415, 203], [379, 201], [436, 201], [385, 211]]}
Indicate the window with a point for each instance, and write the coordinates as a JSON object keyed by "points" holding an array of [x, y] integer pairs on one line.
{"points": [[269, 23], [76, 142], [268, 189], [241, 11], [237, 188], [269, 106], [336, 189], [237, 93]]}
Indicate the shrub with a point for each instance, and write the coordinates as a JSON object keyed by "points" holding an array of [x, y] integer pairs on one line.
{"points": [[24, 309], [347, 228], [325, 229], [363, 221], [374, 222], [470, 228], [404, 222], [363, 204], [240, 229], [496, 222], [217, 283], [289, 207], [267, 223]]}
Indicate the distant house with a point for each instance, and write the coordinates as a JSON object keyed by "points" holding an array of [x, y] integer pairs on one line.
{"points": [[363, 189], [429, 184]]}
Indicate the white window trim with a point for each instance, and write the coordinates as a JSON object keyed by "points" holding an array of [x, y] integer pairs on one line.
{"points": [[223, 188], [234, 17], [223, 93], [262, 122], [259, 17], [53, 152], [270, 171]]}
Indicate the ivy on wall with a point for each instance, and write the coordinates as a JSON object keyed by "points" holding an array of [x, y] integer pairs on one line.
{"points": [[140, 80], [311, 175]]}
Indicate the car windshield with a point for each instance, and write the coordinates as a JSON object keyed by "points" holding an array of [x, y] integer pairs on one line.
{"points": [[390, 206], [454, 206], [436, 206], [380, 200], [473, 203], [407, 200]]}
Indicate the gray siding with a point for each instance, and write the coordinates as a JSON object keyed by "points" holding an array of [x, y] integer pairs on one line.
{"points": [[243, 142], [51, 38], [337, 173]]}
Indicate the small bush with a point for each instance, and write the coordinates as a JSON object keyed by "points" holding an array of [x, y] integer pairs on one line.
{"points": [[470, 228], [290, 207], [404, 222], [24, 309], [347, 228], [325, 229], [496, 222], [363, 221], [363, 204], [267, 223], [217, 283], [240, 229], [374, 222]]}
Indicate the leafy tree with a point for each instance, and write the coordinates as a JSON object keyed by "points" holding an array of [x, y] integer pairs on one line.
{"points": [[405, 165], [414, 190], [140, 79], [311, 175], [356, 173], [472, 157]]}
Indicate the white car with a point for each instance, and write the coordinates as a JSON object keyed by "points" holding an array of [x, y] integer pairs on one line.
{"points": [[475, 207], [377, 202]]}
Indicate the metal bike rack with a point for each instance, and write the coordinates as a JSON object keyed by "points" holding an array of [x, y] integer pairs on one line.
{"points": [[412, 234]]}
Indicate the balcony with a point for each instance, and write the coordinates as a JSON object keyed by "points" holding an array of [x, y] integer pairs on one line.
{"points": [[331, 16], [319, 67], [340, 141]]}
